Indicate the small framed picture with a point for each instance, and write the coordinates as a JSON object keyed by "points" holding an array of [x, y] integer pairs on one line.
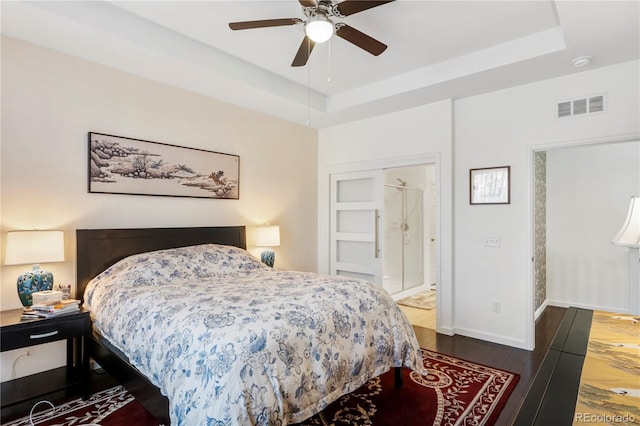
{"points": [[490, 185]]}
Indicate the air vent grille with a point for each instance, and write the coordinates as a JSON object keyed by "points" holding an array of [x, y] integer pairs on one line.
{"points": [[564, 109], [582, 106], [596, 104]]}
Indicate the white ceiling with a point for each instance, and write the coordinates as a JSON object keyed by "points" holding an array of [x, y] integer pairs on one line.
{"points": [[437, 49]]}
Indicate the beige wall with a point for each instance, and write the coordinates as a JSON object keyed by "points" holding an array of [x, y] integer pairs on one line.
{"points": [[49, 103]]}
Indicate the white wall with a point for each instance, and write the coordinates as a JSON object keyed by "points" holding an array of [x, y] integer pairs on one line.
{"points": [[494, 129], [421, 134], [49, 103], [501, 128], [588, 192]]}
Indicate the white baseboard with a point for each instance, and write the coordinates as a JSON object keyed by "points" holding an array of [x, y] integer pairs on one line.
{"points": [[410, 292], [540, 310], [445, 330], [494, 338], [565, 304]]}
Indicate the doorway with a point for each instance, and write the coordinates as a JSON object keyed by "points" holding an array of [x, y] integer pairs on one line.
{"points": [[356, 229], [408, 230], [408, 246], [581, 195]]}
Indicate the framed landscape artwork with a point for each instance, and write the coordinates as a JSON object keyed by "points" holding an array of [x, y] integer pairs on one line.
{"points": [[120, 165], [490, 185]]}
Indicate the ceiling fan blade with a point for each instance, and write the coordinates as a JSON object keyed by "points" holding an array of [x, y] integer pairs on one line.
{"points": [[247, 25], [308, 3], [360, 39], [303, 52], [349, 7]]}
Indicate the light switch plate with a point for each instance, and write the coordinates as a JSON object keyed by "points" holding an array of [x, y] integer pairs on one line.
{"points": [[492, 241]]}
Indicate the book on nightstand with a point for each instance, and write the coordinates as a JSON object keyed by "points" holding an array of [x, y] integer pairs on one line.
{"points": [[51, 310]]}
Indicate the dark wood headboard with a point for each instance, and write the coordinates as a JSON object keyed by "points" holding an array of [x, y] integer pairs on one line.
{"points": [[97, 249]]}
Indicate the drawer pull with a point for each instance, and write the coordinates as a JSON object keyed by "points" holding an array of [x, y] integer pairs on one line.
{"points": [[43, 335]]}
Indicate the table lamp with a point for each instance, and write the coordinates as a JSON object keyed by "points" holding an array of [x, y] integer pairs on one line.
{"points": [[35, 247], [268, 236], [629, 236]]}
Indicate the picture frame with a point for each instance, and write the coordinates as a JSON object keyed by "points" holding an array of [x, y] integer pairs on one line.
{"points": [[490, 185], [122, 165]]}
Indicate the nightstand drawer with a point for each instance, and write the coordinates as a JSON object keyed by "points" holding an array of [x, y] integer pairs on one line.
{"points": [[44, 332]]}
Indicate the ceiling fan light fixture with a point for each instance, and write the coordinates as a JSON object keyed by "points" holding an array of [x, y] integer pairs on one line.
{"points": [[319, 28]]}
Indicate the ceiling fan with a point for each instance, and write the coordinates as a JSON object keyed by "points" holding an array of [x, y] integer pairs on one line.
{"points": [[319, 26]]}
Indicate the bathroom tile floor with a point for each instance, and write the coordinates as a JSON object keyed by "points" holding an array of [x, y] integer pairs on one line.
{"points": [[425, 318]]}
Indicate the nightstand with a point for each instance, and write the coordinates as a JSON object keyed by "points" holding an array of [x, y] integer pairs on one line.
{"points": [[16, 333]]}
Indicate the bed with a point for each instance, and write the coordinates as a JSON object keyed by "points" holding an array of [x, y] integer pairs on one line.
{"points": [[203, 333]]}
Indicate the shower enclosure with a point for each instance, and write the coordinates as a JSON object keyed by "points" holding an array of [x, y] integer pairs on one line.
{"points": [[404, 229]]}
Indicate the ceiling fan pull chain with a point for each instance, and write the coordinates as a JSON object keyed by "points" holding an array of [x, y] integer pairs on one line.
{"points": [[308, 87], [329, 61]]}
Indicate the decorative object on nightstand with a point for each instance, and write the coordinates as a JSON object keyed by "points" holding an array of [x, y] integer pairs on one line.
{"points": [[35, 247], [629, 236], [268, 236]]}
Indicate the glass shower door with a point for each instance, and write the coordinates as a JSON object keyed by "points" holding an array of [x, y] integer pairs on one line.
{"points": [[403, 238], [413, 239]]}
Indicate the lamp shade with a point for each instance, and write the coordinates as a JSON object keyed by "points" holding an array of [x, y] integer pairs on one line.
{"points": [[629, 234], [268, 236], [24, 247]]}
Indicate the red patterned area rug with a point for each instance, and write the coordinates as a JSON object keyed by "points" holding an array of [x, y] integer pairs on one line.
{"points": [[455, 392], [112, 407]]}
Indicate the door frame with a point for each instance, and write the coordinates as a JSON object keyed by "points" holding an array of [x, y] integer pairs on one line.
{"points": [[531, 150], [443, 227]]}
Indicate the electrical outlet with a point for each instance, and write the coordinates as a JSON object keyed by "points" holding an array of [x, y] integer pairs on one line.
{"points": [[492, 241], [496, 306]]}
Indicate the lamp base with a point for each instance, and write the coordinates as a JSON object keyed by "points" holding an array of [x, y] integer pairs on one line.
{"points": [[634, 281], [31, 282], [268, 257]]}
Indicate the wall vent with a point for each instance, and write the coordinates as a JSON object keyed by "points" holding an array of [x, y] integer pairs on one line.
{"points": [[582, 106]]}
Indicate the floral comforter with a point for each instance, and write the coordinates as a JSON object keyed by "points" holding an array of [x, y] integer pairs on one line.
{"points": [[230, 341]]}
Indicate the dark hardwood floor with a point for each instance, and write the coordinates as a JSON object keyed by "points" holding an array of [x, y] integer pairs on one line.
{"points": [[525, 363], [99, 380]]}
